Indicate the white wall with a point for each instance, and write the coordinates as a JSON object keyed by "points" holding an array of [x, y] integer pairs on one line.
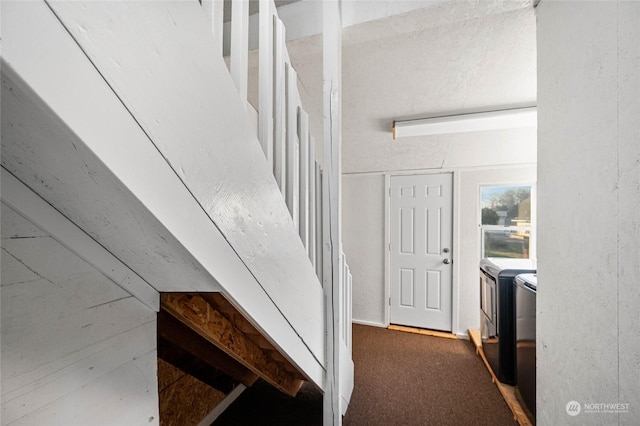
{"points": [[76, 348], [589, 210], [364, 238]]}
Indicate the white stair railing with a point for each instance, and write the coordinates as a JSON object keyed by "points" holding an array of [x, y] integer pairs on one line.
{"points": [[283, 124], [284, 134]]}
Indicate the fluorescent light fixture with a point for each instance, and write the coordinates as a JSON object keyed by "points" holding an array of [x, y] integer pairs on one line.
{"points": [[475, 122]]}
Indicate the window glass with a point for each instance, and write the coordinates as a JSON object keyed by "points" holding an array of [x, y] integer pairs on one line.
{"points": [[506, 243], [506, 205], [505, 221]]}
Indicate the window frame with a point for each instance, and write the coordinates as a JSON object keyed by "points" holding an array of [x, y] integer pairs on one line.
{"points": [[531, 228]]}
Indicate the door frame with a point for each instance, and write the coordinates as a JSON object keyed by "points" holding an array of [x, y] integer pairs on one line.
{"points": [[455, 288]]}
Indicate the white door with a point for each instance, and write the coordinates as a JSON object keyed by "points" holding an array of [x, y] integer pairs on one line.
{"points": [[421, 262]]}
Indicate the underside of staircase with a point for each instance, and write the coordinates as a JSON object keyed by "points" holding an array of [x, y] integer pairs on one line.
{"points": [[212, 330], [206, 348]]}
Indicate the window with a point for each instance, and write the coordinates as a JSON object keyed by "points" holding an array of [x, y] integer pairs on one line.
{"points": [[506, 221]]}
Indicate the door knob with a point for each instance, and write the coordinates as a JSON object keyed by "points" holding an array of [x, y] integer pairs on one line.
{"points": [[446, 261]]}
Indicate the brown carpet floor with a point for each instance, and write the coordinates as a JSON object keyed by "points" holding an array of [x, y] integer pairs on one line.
{"points": [[412, 379], [400, 379]]}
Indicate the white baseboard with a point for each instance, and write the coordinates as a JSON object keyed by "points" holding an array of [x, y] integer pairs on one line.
{"points": [[369, 323]]}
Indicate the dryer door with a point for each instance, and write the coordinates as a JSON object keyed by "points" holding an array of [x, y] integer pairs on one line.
{"points": [[488, 305]]}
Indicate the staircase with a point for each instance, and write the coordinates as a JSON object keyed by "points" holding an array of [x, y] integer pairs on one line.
{"points": [[142, 140]]}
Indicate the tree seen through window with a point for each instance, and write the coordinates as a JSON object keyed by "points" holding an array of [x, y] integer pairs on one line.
{"points": [[506, 221]]}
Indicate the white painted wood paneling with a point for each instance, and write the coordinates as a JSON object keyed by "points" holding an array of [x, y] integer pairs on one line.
{"points": [[76, 348], [279, 111], [230, 180], [303, 187], [128, 383], [22, 199], [292, 157], [319, 224], [311, 245], [13, 224], [265, 85], [240, 46], [40, 151]]}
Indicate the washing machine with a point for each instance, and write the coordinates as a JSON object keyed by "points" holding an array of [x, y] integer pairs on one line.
{"points": [[497, 319], [525, 292]]}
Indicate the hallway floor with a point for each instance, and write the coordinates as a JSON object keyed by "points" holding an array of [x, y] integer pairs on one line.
{"points": [[400, 379], [411, 379]]}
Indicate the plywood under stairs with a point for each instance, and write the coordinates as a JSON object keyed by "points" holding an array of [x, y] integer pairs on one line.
{"points": [[203, 336], [184, 400], [508, 392]]}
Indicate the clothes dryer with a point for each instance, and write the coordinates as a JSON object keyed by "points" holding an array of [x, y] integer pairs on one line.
{"points": [[525, 311], [497, 320]]}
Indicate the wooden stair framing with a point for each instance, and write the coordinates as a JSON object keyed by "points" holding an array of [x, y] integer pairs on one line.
{"points": [[187, 350], [225, 339]]}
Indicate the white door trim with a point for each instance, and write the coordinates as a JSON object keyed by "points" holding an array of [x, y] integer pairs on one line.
{"points": [[455, 287], [387, 251]]}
